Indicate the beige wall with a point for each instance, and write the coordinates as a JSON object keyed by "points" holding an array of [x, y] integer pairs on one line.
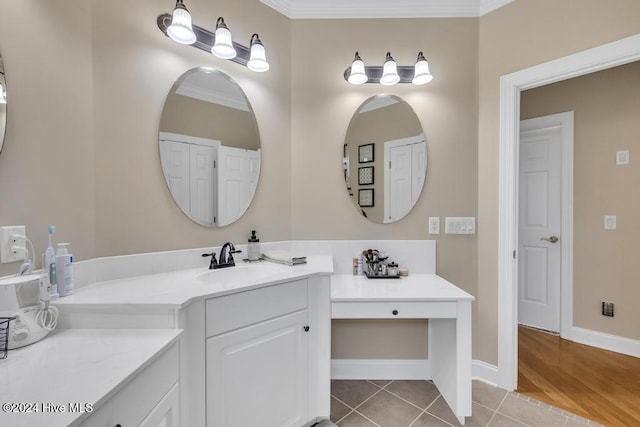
{"points": [[323, 104], [47, 168], [81, 150], [517, 36], [606, 108], [190, 116]]}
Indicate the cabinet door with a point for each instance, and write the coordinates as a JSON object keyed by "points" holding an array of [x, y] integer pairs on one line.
{"points": [[257, 376], [167, 412]]}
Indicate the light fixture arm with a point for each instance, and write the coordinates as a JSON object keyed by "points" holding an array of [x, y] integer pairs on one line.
{"points": [[205, 40]]}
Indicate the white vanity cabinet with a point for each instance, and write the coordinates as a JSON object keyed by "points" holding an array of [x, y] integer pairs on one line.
{"points": [[151, 399], [257, 357]]}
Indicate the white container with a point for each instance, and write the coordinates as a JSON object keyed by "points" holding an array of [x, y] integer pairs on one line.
{"points": [[64, 270], [253, 247]]}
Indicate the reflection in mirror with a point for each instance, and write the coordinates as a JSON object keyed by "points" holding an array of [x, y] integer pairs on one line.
{"points": [[384, 159], [209, 147], [3, 103]]}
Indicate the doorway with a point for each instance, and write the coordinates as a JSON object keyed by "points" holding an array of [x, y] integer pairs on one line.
{"points": [[606, 56]]}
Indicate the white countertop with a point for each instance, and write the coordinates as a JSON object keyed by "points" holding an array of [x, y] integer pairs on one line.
{"points": [[75, 365], [178, 289], [415, 287]]}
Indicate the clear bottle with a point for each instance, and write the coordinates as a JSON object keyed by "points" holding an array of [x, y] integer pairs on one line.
{"points": [[253, 247]]}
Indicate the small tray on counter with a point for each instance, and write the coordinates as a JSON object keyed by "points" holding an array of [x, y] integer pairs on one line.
{"points": [[381, 276]]}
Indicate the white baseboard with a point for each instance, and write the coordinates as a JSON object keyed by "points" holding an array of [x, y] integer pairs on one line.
{"points": [[380, 369], [484, 372], [605, 341], [401, 369]]}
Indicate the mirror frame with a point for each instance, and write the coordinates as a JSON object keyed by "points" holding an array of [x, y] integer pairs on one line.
{"points": [[212, 149], [390, 127], [4, 105]]}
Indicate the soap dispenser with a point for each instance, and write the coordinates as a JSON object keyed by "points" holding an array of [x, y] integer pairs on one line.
{"points": [[64, 270], [253, 247]]}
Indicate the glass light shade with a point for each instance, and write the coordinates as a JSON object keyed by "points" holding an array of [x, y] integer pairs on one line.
{"points": [[389, 72], [180, 29], [358, 75], [257, 57], [422, 75], [3, 95], [223, 46]]}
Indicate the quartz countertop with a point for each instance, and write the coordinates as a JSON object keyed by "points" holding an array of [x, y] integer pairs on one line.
{"points": [[415, 287], [75, 366], [178, 289]]}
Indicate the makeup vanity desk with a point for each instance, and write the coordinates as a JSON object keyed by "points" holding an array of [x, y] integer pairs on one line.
{"points": [[419, 296]]}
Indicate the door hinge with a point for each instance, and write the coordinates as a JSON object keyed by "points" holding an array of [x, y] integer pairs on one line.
{"points": [[389, 164], [514, 254], [214, 164]]}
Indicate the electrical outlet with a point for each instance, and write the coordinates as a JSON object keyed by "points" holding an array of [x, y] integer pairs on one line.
{"points": [[12, 249], [434, 225], [607, 309]]}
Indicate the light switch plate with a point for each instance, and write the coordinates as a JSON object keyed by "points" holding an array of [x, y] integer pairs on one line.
{"points": [[434, 225], [460, 225], [622, 157], [8, 253], [610, 222]]}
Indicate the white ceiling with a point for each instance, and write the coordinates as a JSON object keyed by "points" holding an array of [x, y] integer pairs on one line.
{"points": [[317, 9]]}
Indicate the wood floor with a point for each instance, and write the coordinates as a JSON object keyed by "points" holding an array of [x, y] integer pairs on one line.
{"points": [[596, 384]]}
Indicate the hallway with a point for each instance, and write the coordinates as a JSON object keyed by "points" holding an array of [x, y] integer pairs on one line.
{"points": [[596, 384]]}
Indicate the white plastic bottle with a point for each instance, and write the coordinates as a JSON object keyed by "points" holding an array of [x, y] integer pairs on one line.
{"points": [[64, 270]]}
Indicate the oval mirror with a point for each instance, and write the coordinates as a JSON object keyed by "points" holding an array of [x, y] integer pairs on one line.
{"points": [[3, 103], [384, 159], [209, 147]]}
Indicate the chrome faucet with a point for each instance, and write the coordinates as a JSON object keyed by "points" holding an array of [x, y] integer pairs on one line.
{"points": [[226, 257]]}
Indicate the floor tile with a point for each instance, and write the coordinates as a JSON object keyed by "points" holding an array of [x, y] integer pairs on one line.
{"points": [[500, 420], [380, 383], [352, 392], [420, 393], [428, 420], [530, 413], [487, 395], [338, 410], [389, 411], [355, 420]]}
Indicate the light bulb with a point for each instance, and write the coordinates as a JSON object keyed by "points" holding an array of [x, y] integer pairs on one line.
{"points": [[389, 72], [257, 57], [358, 75], [180, 29], [422, 74], [223, 45]]}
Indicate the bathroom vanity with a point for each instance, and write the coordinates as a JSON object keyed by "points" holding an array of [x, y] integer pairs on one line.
{"points": [[248, 331]]}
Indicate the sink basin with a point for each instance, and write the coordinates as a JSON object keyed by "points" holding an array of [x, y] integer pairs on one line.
{"points": [[243, 272]]}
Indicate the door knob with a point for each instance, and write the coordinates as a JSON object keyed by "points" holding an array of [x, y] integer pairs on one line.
{"points": [[551, 239]]}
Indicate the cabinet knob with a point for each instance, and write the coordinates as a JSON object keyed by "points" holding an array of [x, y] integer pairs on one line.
{"points": [[394, 312], [306, 329]]}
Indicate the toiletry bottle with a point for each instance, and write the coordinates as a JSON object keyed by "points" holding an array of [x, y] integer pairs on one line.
{"points": [[64, 270], [253, 247], [49, 265]]}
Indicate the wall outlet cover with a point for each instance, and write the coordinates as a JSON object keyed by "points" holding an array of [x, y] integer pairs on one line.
{"points": [[622, 157], [610, 222], [434, 225], [12, 249]]}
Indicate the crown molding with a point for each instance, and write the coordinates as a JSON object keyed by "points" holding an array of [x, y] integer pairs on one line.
{"points": [[336, 9]]}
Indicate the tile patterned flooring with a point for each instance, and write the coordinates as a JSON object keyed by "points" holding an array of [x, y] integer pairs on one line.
{"points": [[360, 403]]}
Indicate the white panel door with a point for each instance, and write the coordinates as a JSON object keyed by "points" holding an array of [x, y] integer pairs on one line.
{"points": [[253, 159], [232, 179], [400, 182], [418, 168], [174, 157], [202, 180], [539, 257], [257, 376]]}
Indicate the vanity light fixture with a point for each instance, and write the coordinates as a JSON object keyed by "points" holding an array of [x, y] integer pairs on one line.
{"points": [[357, 76], [223, 44], [257, 56], [219, 43], [3, 95], [390, 73], [180, 29]]}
